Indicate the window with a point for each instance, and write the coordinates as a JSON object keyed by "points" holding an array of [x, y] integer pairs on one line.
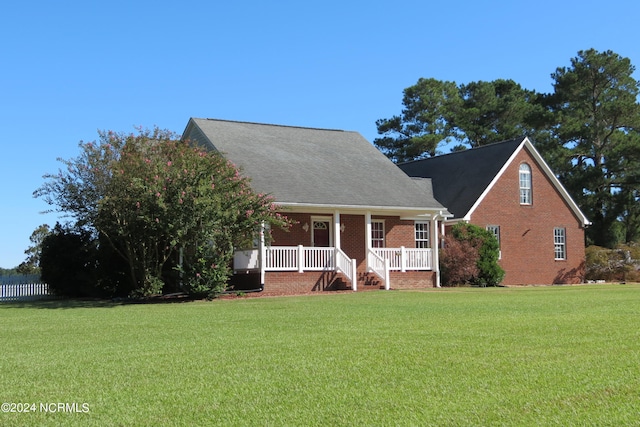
{"points": [[495, 230], [422, 235], [560, 243], [377, 234], [525, 184]]}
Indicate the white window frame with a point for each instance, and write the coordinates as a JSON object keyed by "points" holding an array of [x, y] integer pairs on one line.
{"points": [[374, 238], [422, 233], [525, 184], [495, 230], [560, 243]]}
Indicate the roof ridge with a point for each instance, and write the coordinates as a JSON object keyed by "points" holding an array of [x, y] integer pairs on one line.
{"points": [[519, 140], [273, 124]]}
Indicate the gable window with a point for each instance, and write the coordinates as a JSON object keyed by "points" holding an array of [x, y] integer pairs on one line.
{"points": [[560, 243], [422, 235], [525, 184], [377, 234], [495, 230]]}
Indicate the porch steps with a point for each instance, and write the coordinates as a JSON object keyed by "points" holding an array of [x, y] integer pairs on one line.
{"points": [[371, 283], [340, 283]]}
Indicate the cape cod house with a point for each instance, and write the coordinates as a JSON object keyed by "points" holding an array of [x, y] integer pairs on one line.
{"points": [[360, 221], [508, 188]]}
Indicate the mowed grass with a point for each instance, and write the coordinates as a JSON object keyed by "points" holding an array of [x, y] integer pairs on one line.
{"points": [[454, 357]]}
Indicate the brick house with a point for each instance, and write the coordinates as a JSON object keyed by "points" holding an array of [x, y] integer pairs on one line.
{"points": [[508, 188], [360, 221]]}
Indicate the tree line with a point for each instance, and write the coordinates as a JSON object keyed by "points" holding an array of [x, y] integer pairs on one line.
{"points": [[587, 130]]}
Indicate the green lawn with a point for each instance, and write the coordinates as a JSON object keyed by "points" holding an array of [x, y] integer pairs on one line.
{"points": [[455, 357]]}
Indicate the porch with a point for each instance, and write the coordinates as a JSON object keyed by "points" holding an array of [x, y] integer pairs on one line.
{"points": [[380, 261]]}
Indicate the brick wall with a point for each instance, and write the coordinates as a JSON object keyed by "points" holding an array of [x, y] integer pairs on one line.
{"points": [[292, 282], [398, 232], [526, 231], [413, 279], [295, 235]]}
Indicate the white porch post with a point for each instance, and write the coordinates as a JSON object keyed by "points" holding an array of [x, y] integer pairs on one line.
{"points": [[387, 275], [336, 236], [262, 255], [435, 248], [354, 274], [336, 229], [367, 237], [301, 263], [367, 220]]}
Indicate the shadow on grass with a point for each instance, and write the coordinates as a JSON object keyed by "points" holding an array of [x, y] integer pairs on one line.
{"points": [[69, 303]]}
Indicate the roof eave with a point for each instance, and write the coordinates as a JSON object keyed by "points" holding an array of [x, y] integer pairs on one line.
{"points": [[361, 208], [548, 172], [563, 192]]}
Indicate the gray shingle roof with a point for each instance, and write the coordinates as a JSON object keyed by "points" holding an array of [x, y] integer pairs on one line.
{"points": [[460, 178], [320, 167]]}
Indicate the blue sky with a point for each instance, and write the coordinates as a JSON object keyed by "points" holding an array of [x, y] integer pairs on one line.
{"points": [[71, 68]]}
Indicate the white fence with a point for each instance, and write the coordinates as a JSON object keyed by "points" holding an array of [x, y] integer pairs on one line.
{"points": [[23, 288]]}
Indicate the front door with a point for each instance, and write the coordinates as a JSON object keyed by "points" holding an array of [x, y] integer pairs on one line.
{"points": [[321, 233]]}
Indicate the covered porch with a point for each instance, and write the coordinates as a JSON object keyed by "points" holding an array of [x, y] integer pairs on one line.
{"points": [[350, 243]]}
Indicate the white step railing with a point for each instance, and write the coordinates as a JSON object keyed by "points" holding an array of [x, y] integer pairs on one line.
{"points": [[380, 266], [348, 267], [403, 259]]}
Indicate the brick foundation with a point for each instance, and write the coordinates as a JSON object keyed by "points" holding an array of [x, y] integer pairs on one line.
{"points": [[291, 283]]}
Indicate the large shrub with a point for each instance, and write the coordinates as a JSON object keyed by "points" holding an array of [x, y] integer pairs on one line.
{"points": [[155, 199], [458, 262], [469, 245], [619, 264], [68, 263]]}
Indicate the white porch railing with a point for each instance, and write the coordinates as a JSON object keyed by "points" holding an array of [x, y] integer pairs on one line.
{"points": [[302, 258], [281, 258], [318, 259], [403, 259], [298, 258]]}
